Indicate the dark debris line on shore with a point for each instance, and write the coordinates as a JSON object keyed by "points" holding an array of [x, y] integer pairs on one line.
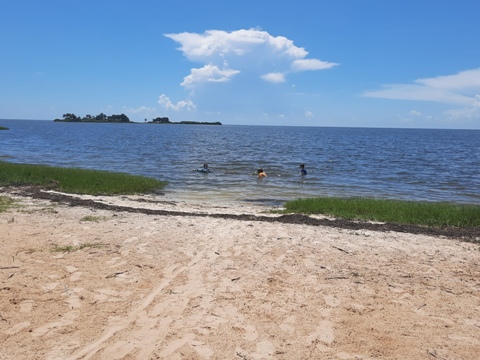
{"points": [[465, 234]]}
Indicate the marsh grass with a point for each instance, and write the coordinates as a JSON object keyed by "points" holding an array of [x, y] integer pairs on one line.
{"points": [[77, 181], [395, 211]]}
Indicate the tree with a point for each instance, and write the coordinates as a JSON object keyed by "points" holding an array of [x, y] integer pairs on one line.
{"points": [[118, 118], [101, 117], [70, 117], [161, 120]]}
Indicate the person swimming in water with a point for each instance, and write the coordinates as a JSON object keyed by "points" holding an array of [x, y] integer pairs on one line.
{"points": [[204, 169], [302, 169], [261, 173]]}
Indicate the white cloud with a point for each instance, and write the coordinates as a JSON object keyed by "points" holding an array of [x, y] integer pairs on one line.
{"points": [[460, 89], [308, 114], [253, 51], [169, 105], [208, 73], [274, 77], [469, 79], [469, 114], [140, 110], [219, 43], [311, 64], [415, 112]]}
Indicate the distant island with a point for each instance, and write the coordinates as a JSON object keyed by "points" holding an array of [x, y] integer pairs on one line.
{"points": [[165, 120], [102, 118]]}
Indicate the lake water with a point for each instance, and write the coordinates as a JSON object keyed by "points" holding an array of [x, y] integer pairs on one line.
{"points": [[410, 164]]}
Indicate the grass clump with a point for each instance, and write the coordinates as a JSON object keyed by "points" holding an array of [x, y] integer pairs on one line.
{"points": [[394, 211], [71, 248], [93, 218], [77, 181], [67, 248], [6, 203]]}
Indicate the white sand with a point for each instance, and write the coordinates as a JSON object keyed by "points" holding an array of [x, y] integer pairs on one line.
{"points": [[183, 287]]}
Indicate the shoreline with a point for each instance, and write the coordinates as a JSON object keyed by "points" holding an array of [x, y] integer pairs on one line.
{"points": [[151, 205], [131, 278]]}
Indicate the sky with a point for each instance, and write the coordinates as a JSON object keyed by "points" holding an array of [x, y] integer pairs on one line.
{"points": [[348, 63]]}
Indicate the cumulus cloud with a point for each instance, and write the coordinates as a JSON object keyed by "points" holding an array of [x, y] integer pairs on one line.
{"points": [[459, 89], [208, 73], [274, 77], [252, 51], [169, 105]]}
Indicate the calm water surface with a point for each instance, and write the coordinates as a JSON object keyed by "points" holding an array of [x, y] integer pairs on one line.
{"points": [[411, 164]]}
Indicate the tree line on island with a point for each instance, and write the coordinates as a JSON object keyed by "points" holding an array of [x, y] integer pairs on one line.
{"points": [[122, 118]]}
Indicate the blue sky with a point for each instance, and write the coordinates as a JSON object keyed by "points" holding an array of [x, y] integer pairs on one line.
{"points": [[361, 63]]}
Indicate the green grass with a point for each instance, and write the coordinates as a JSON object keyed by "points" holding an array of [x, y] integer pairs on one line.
{"points": [[77, 181], [394, 211]]}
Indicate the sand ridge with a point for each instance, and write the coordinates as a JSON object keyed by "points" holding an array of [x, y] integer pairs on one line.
{"points": [[84, 283]]}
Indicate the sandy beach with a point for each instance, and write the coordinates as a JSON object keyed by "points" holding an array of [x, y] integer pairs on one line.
{"points": [[180, 282]]}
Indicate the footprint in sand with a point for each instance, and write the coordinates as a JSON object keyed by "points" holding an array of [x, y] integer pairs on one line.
{"points": [[250, 333], [264, 350], [113, 263], [288, 324], [323, 333], [110, 295], [129, 240], [176, 344], [74, 300], [67, 319], [17, 328], [203, 350], [26, 306], [76, 276], [141, 248], [331, 300], [50, 287], [71, 269]]}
